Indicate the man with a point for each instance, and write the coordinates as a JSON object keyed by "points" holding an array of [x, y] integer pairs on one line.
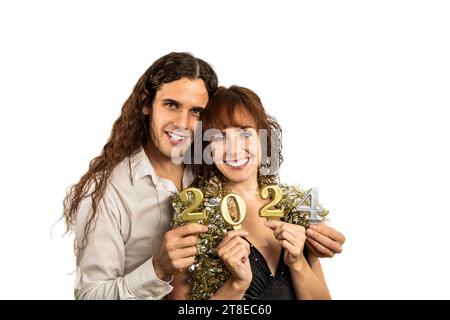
{"points": [[120, 208]]}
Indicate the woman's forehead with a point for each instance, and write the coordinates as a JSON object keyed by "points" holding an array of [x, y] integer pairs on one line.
{"points": [[240, 128], [233, 117]]}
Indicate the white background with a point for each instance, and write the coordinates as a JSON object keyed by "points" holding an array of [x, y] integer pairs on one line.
{"points": [[361, 89]]}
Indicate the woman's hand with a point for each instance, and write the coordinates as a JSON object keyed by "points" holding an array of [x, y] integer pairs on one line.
{"points": [[234, 252], [292, 238]]}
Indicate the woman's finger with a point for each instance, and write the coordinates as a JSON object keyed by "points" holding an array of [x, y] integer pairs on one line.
{"points": [[231, 244], [230, 235]]}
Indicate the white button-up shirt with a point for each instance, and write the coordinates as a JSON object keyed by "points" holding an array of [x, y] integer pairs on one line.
{"points": [[132, 217]]}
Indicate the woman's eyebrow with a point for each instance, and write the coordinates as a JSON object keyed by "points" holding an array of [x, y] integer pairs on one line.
{"points": [[239, 128], [246, 127]]}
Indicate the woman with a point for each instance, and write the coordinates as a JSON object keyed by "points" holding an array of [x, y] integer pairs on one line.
{"points": [[267, 259]]}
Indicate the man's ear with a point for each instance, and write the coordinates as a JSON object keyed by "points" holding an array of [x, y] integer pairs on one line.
{"points": [[145, 111]]}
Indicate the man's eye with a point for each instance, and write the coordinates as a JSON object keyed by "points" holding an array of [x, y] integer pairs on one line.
{"points": [[171, 105], [197, 112]]}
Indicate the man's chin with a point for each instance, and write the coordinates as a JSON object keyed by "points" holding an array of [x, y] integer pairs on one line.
{"points": [[176, 154]]}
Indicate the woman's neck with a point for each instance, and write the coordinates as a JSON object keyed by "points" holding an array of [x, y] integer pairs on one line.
{"points": [[246, 189]]}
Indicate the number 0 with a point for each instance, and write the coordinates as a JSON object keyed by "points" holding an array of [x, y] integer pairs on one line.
{"points": [[241, 210]]}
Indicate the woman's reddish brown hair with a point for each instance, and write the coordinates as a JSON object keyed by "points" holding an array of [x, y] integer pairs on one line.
{"points": [[240, 107]]}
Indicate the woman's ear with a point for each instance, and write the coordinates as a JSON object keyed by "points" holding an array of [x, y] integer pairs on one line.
{"points": [[145, 111]]}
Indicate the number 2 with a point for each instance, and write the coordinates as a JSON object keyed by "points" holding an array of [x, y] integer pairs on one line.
{"points": [[188, 214], [266, 211]]}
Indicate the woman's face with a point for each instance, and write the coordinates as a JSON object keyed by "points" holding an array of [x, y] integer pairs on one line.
{"points": [[237, 153]]}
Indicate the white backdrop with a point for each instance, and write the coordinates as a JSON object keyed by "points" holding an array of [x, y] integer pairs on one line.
{"points": [[361, 89]]}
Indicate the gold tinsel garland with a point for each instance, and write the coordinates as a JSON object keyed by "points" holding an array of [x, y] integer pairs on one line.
{"points": [[209, 273]]}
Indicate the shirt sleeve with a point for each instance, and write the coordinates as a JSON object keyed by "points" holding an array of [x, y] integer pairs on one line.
{"points": [[100, 271]]}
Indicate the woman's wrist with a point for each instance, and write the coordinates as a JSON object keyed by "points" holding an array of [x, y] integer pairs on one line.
{"points": [[300, 266], [239, 286]]}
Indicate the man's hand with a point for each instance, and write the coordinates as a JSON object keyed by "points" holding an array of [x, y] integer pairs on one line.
{"points": [[324, 241], [178, 250]]}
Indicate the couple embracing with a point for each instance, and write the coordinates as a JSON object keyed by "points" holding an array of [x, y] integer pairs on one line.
{"points": [[121, 210]]}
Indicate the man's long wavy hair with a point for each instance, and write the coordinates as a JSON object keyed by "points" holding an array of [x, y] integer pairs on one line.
{"points": [[130, 131]]}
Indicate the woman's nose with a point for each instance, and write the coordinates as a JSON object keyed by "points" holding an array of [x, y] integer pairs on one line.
{"points": [[236, 145]]}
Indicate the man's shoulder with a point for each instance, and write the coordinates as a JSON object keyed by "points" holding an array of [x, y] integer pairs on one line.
{"points": [[128, 178], [121, 174]]}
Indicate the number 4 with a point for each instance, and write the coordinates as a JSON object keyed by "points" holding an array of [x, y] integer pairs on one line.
{"points": [[314, 209]]}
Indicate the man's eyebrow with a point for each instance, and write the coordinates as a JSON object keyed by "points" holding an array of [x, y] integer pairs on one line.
{"points": [[197, 107], [168, 100]]}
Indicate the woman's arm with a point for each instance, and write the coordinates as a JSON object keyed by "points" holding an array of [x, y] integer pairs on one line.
{"points": [[315, 265], [309, 282]]}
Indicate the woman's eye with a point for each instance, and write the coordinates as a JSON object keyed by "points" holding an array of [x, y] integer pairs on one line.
{"points": [[219, 139], [247, 134]]}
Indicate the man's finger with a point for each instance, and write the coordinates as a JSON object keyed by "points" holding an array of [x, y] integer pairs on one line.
{"points": [[183, 263], [312, 250], [329, 232], [321, 250], [188, 229], [185, 252], [324, 241], [188, 241]]}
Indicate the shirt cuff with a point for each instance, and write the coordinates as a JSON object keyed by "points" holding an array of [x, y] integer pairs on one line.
{"points": [[144, 282]]}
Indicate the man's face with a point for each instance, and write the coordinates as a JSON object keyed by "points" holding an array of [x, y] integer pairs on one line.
{"points": [[176, 107]]}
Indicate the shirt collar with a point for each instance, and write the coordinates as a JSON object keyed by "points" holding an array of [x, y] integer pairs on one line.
{"points": [[140, 166], [188, 177]]}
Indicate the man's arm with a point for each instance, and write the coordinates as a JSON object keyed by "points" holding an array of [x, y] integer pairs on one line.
{"points": [[101, 264]]}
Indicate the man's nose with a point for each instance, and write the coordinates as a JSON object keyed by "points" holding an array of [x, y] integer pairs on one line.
{"points": [[183, 121]]}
